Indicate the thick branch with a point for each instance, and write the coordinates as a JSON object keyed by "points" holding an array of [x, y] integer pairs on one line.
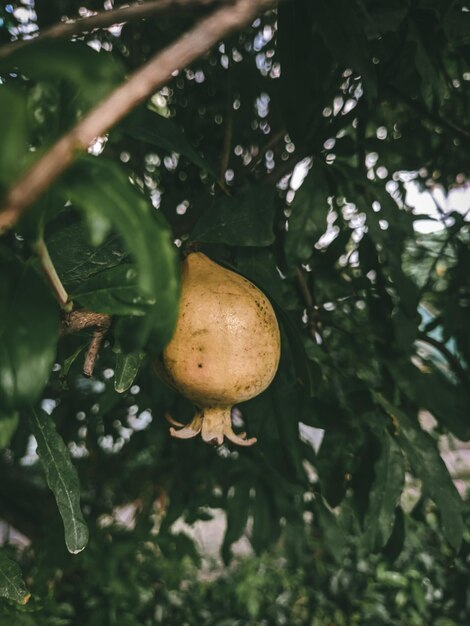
{"points": [[105, 19], [138, 88]]}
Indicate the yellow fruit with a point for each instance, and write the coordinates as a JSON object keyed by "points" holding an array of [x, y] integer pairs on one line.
{"points": [[225, 349]]}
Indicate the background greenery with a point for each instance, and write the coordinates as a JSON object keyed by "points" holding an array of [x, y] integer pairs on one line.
{"points": [[370, 95]]}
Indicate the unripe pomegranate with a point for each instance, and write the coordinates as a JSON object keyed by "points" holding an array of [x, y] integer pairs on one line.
{"points": [[225, 349]]}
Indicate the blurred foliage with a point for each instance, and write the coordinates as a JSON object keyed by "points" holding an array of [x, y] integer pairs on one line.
{"points": [[372, 99], [302, 581]]}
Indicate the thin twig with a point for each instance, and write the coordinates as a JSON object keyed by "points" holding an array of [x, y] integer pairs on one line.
{"points": [[272, 143], [227, 148], [315, 325], [138, 88], [105, 19], [50, 273], [76, 321]]}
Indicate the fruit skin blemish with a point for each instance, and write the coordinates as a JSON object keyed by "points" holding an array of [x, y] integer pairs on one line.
{"points": [[225, 349]]}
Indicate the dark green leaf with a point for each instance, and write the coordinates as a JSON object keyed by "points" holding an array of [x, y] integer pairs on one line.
{"points": [[14, 134], [154, 129], [8, 426], [114, 292], [428, 466], [62, 479], [74, 258], [385, 493], [340, 24], [103, 190], [308, 220], [448, 402], [306, 69], [29, 328], [12, 585], [92, 74], [127, 368], [237, 510], [242, 220]]}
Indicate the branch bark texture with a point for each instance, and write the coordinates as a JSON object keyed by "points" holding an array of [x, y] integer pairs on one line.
{"points": [[138, 88]]}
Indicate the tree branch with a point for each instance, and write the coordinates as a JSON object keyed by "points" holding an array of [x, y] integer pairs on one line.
{"points": [[80, 320], [138, 88], [105, 19]]}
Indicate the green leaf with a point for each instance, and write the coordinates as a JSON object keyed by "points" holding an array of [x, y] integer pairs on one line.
{"points": [[428, 466], [102, 189], [242, 220], [308, 219], [29, 325], [8, 426], [92, 74], [265, 522], [449, 403], [154, 129], [341, 25], [457, 24], [14, 134], [127, 368], [237, 511], [385, 492], [306, 69], [74, 258], [12, 586], [62, 479], [114, 292]]}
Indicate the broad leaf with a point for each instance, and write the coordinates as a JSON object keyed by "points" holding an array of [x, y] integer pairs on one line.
{"points": [[12, 586], [8, 425], [308, 219], [113, 291], [242, 220], [127, 368], [29, 327], [74, 258], [385, 494], [93, 75], [61, 477], [428, 466], [104, 192]]}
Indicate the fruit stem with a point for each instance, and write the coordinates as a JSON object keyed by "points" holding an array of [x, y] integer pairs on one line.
{"points": [[50, 273]]}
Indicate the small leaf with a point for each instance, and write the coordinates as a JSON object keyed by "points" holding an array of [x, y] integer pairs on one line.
{"points": [[308, 219], [385, 493], [242, 220], [62, 479], [114, 292], [428, 466], [127, 368], [29, 325], [12, 586], [8, 426], [152, 128]]}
